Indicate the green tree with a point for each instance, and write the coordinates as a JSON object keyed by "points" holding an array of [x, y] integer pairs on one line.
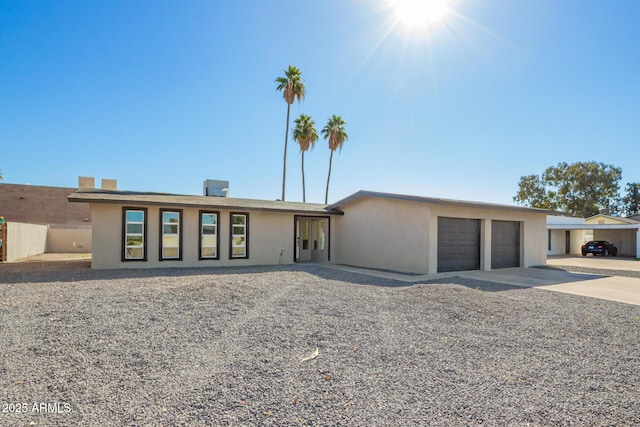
{"points": [[532, 192], [292, 87], [334, 132], [306, 134], [1, 177], [581, 188], [631, 201]]}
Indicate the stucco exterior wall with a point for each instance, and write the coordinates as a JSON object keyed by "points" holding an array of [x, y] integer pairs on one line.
{"points": [[25, 240], [383, 233], [69, 240], [271, 239], [402, 235], [557, 244], [577, 238], [533, 233]]}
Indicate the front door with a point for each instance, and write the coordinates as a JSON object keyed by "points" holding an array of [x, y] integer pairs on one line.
{"points": [[303, 239], [312, 239]]}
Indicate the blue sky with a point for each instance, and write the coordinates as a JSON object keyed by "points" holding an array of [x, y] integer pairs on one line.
{"points": [[162, 95]]}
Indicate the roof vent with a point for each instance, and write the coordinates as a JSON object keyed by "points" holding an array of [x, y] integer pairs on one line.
{"points": [[215, 188]]}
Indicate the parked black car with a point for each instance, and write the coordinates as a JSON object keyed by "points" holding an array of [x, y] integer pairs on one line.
{"points": [[601, 247]]}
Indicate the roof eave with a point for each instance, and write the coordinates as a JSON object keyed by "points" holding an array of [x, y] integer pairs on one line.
{"points": [[436, 201], [76, 198]]}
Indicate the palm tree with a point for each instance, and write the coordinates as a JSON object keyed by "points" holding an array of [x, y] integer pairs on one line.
{"points": [[292, 87], [335, 133], [306, 135]]}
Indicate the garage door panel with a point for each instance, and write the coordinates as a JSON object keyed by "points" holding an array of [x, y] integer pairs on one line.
{"points": [[505, 244], [458, 244]]}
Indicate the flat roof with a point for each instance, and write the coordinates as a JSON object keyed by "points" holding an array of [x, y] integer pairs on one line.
{"points": [[438, 201], [206, 202], [593, 226]]}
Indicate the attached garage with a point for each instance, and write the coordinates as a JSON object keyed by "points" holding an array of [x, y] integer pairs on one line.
{"points": [[458, 244], [505, 244], [427, 235]]}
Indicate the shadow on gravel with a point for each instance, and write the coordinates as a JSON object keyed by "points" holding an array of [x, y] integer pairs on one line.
{"points": [[79, 271], [479, 285], [353, 278]]}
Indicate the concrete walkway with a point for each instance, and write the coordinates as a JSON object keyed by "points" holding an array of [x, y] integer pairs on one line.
{"points": [[613, 288]]}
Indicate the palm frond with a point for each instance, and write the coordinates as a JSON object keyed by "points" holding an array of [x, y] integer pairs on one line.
{"points": [[335, 133], [291, 85], [305, 132]]}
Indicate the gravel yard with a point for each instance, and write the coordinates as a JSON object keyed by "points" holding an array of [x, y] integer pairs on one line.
{"points": [[225, 347]]}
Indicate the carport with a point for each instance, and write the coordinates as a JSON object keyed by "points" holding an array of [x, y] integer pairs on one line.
{"points": [[626, 237]]}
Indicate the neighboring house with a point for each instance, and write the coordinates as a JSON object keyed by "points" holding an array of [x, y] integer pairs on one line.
{"points": [[566, 235], [35, 204], [635, 217], [368, 229]]}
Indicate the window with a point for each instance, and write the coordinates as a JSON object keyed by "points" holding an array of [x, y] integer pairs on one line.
{"points": [[171, 235], [209, 237], [134, 224], [239, 236]]}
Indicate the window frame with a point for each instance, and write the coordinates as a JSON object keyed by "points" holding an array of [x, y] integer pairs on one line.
{"points": [[161, 256], [200, 235], [124, 234], [246, 235]]}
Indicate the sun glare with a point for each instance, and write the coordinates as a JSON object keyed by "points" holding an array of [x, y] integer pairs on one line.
{"points": [[417, 14]]}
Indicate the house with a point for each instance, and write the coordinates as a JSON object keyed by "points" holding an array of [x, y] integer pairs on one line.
{"points": [[566, 235], [146, 230], [369, 229]]}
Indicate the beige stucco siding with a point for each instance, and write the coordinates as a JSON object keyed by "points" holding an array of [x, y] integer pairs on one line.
{"points": [[270, 238], [383, 233], [403, 235]]}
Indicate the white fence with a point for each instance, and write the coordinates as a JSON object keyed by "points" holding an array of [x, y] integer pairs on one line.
{"points": [[25, 240]]}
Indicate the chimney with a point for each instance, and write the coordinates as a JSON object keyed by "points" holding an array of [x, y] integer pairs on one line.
{"points": [[109, 184], [86, 183]]}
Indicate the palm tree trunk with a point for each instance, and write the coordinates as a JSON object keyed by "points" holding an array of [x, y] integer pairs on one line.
{"points": [[326, 195], [284, 163], [304, 200]]}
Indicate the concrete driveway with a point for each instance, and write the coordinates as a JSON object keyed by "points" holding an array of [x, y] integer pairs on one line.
{"points": [[611, 288], [600, 285], [599, 262]]}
